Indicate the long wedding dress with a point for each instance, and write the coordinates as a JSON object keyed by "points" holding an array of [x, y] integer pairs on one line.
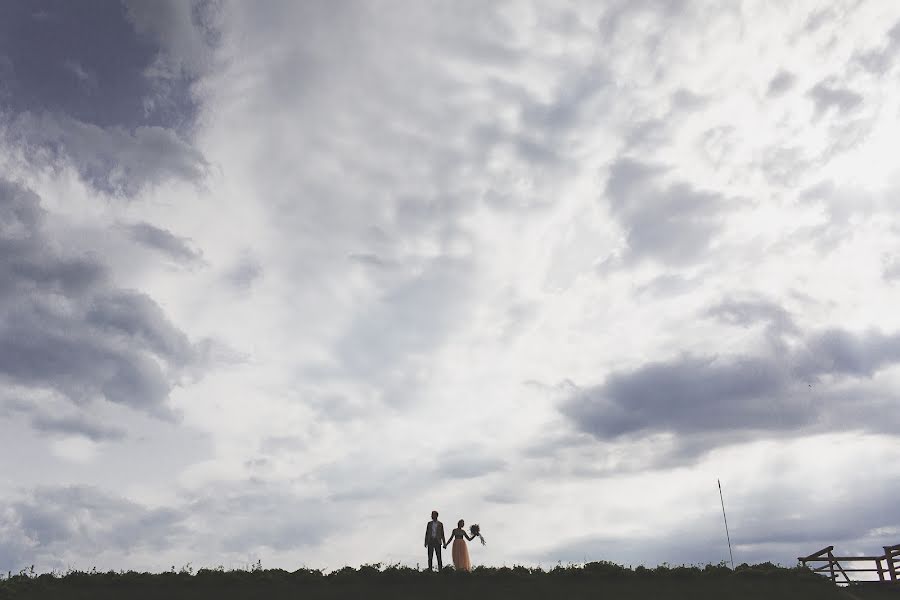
{"points": [[460, 551]]}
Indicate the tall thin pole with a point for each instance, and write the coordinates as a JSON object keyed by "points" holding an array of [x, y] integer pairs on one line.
{"points": [[728, 537]]}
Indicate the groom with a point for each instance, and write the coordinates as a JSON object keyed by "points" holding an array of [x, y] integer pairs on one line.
{"points": [[434, 538]]}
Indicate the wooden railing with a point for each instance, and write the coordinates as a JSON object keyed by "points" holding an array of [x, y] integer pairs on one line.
{"points": [[887, 565]]}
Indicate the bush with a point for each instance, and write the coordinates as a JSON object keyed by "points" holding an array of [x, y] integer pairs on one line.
{"points": [[375, 581], [606, 570]]}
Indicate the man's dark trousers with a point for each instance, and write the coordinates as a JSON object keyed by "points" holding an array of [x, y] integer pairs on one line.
{"points": [[434, 546]]}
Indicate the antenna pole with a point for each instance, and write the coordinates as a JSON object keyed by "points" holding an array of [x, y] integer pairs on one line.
{"points": [[728, 537]]}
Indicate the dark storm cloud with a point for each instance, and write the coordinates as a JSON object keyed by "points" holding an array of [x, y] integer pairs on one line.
{"points": [[164, 241], [839, 352], [82, 86], [83, 61], [670, 222], [49, 522], [65, 327], [770, 392], [686, 395], [827, 95], [185, 31], [781, 83]]}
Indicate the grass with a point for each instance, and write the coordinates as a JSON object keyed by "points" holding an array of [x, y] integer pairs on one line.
{"points": [[375, 582]]}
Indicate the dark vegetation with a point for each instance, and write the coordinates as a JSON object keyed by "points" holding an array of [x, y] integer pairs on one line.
{"points": [[375, 582]]}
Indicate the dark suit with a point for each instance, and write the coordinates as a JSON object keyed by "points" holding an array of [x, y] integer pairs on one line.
{"points": [[434, 543]]}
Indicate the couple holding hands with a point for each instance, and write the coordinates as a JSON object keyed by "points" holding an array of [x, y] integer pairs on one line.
{"points": [[434, 541]]}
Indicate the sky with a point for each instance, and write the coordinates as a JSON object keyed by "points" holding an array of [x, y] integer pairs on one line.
{"points": [[278, 279]]}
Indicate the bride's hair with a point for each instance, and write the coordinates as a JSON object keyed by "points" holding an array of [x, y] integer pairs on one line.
{"points": [[460, 523]]}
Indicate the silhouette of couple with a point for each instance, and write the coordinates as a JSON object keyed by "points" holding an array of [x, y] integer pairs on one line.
{"points": [[434, 541]]}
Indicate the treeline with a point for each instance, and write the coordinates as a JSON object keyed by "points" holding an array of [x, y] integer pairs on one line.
{"points": [[374, 582]]}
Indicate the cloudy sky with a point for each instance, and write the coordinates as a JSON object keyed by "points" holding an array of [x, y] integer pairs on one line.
{"points": [[279, 278]]}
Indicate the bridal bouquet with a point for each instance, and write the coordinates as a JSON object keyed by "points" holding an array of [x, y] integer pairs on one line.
{"points": [[475, 530]]}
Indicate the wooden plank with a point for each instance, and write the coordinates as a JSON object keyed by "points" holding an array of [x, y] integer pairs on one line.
{"points": [[858, 558], [840, 568], [855, 558], [825, 568], [816, 554], [880, 570], [860, 570]]}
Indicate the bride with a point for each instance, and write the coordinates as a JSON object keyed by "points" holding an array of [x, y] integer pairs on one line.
{"points": [[460, 550]]}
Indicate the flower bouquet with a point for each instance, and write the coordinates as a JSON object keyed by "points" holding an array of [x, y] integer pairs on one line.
{"points": [[475, 530]]}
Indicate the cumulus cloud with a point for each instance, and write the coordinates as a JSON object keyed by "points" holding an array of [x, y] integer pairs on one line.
{"points": [[114, 159], [671, 396], [69, 329], [759, 394]]}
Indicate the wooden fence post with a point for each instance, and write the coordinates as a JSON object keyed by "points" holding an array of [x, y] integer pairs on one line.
{"points": [[880, 569], [889, 557], [831, 566]]}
